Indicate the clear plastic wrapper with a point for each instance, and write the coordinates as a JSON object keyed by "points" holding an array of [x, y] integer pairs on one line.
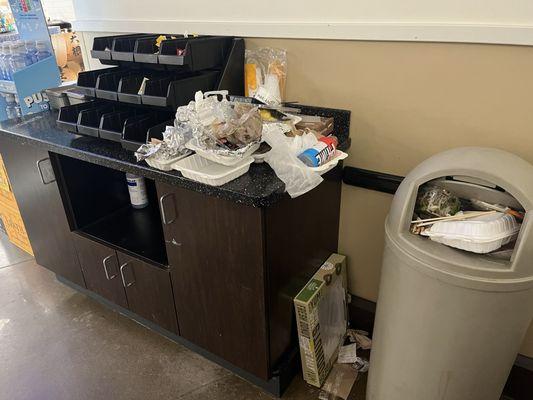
{"points": [[221, 127], [283, 160], [438, 202], [265, 74]]}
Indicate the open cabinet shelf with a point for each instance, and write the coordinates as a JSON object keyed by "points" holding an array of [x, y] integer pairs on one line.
{"points": [[98, 207], [134, 231]]}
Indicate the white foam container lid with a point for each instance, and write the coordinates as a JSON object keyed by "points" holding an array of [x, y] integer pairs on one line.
{"points": [[209, 172], [479, 235]]}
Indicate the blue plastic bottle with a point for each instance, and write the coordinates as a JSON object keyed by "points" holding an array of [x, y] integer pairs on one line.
{"points": [[42, 50], [18, 57], [17, 107], [3, 53], [31, 52], [11, 108], [4, 60]]}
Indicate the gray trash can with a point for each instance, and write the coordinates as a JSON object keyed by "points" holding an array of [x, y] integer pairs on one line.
{"points": [[449, 323]]}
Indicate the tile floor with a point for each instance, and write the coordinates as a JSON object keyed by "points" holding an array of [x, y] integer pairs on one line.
{"points": [[57, 344]]}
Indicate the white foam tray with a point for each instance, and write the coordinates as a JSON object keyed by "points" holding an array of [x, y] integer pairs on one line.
{"points": [[211, 173], [478, 235], [165, 165], [339, 155], [221, 159]]}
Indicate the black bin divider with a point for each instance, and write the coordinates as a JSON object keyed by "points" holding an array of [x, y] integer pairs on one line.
{"points": [[128, 89], [107, 84], [103, 46], [89, 119], [129, 86], [146, 50], [87, 80], [68, 115], [156, 92], [124, 46], [112, 124], [166, 92], [136, 128]]}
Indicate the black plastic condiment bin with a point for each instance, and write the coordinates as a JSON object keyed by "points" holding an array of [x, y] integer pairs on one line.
{"points": [[128, 89], [103, 46], [200, 53], [68, 115], [124, 46], [107, 84], [165, 92], [136, 129], [112, 124], [87, 80], [89, 119]]}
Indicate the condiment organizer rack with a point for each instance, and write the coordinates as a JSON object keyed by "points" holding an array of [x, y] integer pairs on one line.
{"points": [[136, 99]]}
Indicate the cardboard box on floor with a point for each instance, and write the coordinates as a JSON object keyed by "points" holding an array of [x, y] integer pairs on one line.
{"points": [[321, 317], [10, 214]]}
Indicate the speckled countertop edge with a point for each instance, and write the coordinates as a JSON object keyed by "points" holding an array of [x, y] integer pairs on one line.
{"points": [[260, 187]]}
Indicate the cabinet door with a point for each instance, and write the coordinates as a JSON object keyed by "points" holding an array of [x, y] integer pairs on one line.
{"points": [[215, 251], [33, 181], [149, 291], [101, 270]]}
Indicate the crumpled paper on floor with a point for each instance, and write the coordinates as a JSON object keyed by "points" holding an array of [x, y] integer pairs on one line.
{"points": [[339, 382]]}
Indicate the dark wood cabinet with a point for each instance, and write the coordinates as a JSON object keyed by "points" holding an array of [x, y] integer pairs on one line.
{"points": [[101, 270], [215, 250], [149, 291], [34, 184], [236, 269]]}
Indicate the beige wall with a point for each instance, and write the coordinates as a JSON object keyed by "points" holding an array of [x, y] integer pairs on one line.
{"points": [[409, 101]]}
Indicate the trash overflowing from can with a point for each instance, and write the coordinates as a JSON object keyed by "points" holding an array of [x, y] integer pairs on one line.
{"points": [[469, 224]]}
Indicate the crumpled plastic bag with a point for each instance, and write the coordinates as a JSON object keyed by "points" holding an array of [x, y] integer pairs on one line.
{"points": [[298, 178], [437, 201]]}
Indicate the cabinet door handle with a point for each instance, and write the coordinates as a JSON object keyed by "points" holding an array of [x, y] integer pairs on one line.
{"points": [[163, 212], [41, 172], [122, 267], [104, 262]]}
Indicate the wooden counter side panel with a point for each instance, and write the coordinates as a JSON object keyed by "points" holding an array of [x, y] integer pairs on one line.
{"points": [[215, 251], [300, 234]]}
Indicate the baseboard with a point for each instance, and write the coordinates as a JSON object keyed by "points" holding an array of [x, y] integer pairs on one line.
{"points": [[519, 385]]}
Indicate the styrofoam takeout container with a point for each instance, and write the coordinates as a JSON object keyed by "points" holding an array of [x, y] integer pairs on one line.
{"points": [[211, 173], [479, 235], [165, 165]]}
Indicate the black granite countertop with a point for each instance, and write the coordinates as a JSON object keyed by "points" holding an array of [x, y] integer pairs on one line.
{"points": [[260, 187]]}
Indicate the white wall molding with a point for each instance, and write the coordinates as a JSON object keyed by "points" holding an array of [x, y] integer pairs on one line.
{"points": [[373, 31]]}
